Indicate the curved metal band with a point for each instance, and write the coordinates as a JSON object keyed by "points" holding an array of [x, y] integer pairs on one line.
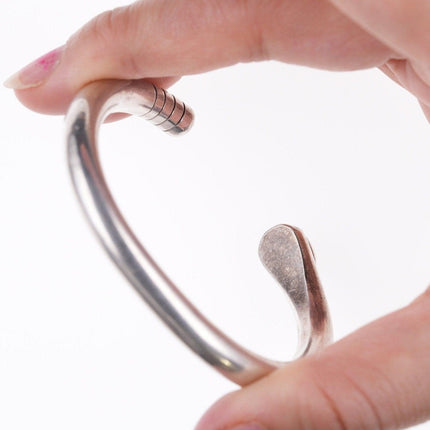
{"points": [[284, 250]]}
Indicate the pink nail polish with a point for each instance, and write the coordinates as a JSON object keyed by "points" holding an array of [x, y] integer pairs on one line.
{"points": [[36, 73]]}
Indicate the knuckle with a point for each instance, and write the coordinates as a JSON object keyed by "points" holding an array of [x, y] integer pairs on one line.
{"points": [[113, 33], [106, 28], [110, 26], [239, 20], [99, 31], [248, 14]]}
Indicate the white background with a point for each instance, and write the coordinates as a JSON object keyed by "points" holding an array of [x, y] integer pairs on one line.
{"points": [[344, 156]]}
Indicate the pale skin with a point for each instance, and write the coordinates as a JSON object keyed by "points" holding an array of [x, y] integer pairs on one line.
{"points": [[379, 376]]}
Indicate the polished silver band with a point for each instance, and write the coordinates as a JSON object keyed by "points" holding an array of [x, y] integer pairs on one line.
{"points": [[284, 250]]}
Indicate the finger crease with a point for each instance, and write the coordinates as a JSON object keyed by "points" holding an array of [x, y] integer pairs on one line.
{"points": [[368, 401], [333, 406]]}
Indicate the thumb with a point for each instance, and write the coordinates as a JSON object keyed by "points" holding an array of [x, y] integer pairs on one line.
{"points": [[147, 39], [376, 378]]}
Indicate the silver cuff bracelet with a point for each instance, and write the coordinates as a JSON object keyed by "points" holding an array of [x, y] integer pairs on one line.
{"points": [[284, 250]]}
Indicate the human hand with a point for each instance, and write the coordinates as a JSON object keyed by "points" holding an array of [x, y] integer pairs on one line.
{"points": [[362, 370], [198, 36], [155, 39]]}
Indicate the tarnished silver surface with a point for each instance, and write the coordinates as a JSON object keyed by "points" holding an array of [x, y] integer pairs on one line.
{"points": [[284, 250]]}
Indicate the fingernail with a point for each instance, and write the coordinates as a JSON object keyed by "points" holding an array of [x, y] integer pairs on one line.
{"points": [[36, 73], [250, 426]]}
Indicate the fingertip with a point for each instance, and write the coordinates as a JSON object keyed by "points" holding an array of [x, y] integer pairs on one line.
{"points": [[268, 403], [221, 411], [55, 96], [44, 101]]}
